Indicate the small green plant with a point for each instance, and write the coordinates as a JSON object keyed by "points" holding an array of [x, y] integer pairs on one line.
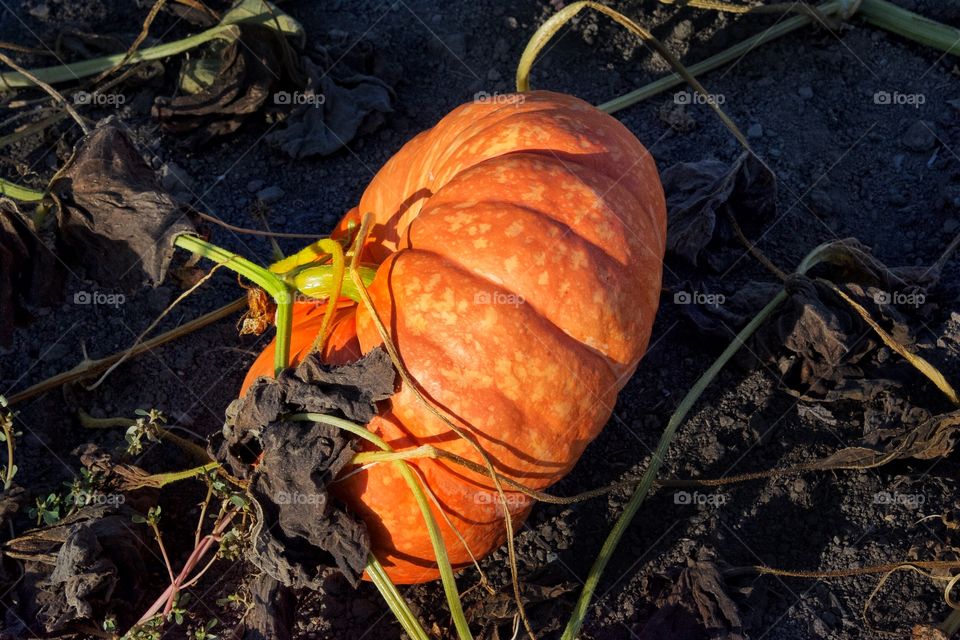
{"points": [[236, 600], [148, 630], [47, 510], [83, 490], [110, 624], [148, 426], [179, 612], [152, 518], [205, 632]]}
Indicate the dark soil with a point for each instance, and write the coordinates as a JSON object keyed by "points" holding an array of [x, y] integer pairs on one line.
{"points": [[846, 166]]}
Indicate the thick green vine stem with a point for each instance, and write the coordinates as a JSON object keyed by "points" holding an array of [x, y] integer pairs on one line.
{"points": [[270, 282], [890, 17], [21, 194], [676, 419], [316, 281], [256, 12], [399, 607]]}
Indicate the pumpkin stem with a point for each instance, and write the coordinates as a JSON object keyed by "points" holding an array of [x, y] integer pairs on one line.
{"points": [[270, 282]]}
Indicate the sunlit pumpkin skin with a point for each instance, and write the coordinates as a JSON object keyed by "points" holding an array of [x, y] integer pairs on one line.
{"points": [[519, 245], [342, 345]]}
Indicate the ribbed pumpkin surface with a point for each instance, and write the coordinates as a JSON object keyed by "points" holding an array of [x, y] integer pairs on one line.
{"points": [[519, 246]]}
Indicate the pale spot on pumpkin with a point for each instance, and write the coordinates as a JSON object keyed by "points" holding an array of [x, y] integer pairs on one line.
{"points": [[417, 323], [515, 229], [480, 243], [511, 264], [534, 193], [457, 221], [465, 205], [539, 259], [544, 279], [504, 370]]}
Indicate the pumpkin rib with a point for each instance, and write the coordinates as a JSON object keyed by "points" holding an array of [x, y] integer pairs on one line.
{"points": [[456, 264], [501, 286], [525, 377], [447, 195], [618, 180], [484, 123], [459, 200], [448, 439], [556, 106]]}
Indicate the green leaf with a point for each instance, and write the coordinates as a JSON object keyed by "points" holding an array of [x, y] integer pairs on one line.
{"points": [[264, 13], [238, 500], [197, 74]]}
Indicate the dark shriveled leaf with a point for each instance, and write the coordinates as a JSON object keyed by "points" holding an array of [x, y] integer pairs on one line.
{"points": [[828, 344], [934, 438], [701, 194], [116, 221], [696, 607], [247, 71], [301, 530], [321, 100]]}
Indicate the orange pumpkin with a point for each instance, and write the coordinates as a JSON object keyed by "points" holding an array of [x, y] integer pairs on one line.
{"points": [[519, 245]]}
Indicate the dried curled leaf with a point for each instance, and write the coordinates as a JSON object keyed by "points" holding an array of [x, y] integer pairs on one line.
{"points": [[934, 438], [89, 564], [115, 219], [831, 325], [343, 99], [301, 530], [261, 310], [701, 194], [697, 606], [230, 82], [324, 99]]}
